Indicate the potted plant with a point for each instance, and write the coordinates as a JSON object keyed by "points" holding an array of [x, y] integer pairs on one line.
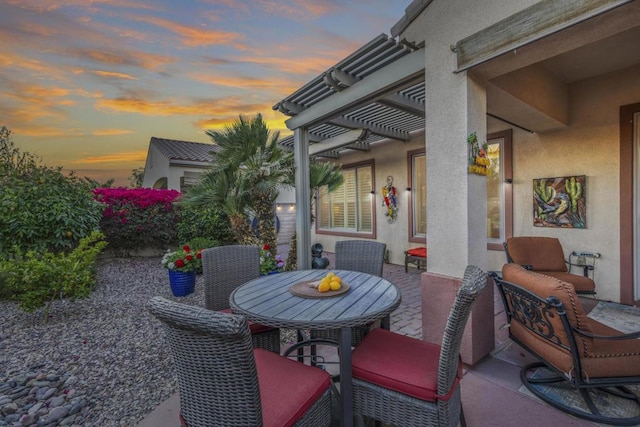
{"points": [[270, 264], [182, 265]]}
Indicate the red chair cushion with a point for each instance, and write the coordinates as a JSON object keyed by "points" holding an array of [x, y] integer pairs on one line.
{"points": [[255, 328], [400, 363], [287, 388], [419, 252]]}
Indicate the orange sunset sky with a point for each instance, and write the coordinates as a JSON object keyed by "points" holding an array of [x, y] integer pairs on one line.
{"points": [[85, 84]]}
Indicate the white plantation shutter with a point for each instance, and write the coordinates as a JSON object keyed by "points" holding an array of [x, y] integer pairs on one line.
{"points": [[323, 208], [350, 198], [348, 208], [364, 199]]}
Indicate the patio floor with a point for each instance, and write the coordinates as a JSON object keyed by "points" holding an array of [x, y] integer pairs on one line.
{"points": [[490, 393]]}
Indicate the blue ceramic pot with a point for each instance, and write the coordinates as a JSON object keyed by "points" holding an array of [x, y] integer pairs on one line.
{"points": [[182, 283]]}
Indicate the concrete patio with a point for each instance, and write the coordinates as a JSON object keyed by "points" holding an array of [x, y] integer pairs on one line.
{"points": [[490, 393]]}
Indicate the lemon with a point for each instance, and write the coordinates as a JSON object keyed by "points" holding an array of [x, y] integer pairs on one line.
{"points": [[324, 286], [336, 279], [330, 274], [335, 285]]}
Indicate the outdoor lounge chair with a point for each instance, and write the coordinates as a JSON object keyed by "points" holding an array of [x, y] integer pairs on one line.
{"points": [[576, 352], [224, 269], [223, 381], [545, 255], [409, 382]]}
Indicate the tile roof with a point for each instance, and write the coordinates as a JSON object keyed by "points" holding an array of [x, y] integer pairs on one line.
{"points": [[184, 150]]}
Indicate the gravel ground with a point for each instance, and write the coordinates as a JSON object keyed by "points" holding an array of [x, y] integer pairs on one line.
{"points": [[109, 343]]}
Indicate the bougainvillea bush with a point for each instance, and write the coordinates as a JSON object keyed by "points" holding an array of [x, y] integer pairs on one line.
{"points": [[138, 218]]}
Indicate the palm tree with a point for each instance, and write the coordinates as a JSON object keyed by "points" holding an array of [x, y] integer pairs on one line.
{"points": [[246, 175], [230, 193], [320, 174]]}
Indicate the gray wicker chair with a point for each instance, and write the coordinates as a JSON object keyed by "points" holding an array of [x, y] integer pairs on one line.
{"points": [[224, 269], [223, 381], [409, 382], [355, 255]]}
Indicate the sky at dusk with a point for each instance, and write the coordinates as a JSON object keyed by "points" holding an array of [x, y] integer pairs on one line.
{"points": [[85, 84]]}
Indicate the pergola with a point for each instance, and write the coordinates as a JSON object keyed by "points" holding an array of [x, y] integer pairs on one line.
{"points": [[375, 93]]}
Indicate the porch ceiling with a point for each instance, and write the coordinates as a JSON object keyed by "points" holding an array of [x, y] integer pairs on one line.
{"points": [[394, 113]]}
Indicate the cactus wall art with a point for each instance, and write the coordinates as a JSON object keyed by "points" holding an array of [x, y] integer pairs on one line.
{"points": [[559, 202]]}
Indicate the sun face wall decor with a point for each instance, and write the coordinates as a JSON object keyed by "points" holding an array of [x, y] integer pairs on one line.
{"points": [[560, 202]]}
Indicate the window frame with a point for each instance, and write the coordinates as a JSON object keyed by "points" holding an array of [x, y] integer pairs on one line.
{"points": [[410, 156], [363, 235], [506, 159]]}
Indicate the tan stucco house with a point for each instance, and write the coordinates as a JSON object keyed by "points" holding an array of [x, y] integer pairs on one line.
{"points": [[172, 164], [552, 86]]}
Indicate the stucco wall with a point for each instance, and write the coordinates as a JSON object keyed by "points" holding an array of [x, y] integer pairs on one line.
{"points": [[390, 159], [588, 146]]}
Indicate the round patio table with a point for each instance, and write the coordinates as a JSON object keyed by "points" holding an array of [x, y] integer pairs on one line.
{"points": [[269, 301]]}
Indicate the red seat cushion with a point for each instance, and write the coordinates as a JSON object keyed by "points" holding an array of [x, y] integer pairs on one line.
{"points": [[419, 252], [287, 388], [255, 328], [400, 363]]}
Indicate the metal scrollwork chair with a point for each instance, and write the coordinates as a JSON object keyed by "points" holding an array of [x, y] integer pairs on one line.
{"points": [[225, 268], [409, 382], [224, 381], [576, 353]]}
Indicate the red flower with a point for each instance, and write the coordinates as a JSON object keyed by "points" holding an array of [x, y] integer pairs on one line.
{"points": [[179, 263], [186, 248], [199, 254], [266, 248], [189, 257]]}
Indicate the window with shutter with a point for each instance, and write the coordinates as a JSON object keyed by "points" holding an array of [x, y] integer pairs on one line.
{"points": [[349, 208]]}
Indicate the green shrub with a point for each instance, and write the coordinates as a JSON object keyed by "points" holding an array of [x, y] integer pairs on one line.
{"points": [[40, 207], [35, 279], [138, 218], [206, 222]]}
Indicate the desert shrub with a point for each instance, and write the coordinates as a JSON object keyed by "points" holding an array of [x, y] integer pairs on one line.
{"points": [[202, 243], [36, 279], [138, 218], [40, 207], [207, 222]]}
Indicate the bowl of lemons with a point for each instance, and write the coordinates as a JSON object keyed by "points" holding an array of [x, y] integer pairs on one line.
{"points": [[328, 286]]}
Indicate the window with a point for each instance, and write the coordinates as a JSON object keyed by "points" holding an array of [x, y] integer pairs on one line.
{"points": [[349, 208], [417, 166], [499, 190]]}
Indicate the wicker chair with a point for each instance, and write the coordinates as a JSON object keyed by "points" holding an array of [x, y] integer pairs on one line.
{"points": [[224, 269], [409, 382], [355, 255], [576, 352], [223, 381]]}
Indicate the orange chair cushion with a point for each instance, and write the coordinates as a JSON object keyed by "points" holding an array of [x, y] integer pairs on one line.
{"points": [[287, 388], [599, 358], [400, 363], [255, 328], [580, 283], [419, 252], [541, 253]]}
